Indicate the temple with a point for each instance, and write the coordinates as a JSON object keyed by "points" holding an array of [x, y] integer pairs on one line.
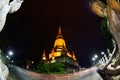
{"points": [[60, 53]]}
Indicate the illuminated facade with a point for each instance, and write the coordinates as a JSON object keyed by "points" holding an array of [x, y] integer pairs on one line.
{"points": [[59, 48], [60, 52]]}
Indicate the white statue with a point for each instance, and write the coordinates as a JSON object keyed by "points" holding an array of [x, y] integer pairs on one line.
{"points": [[3, 71], [8, 7]]}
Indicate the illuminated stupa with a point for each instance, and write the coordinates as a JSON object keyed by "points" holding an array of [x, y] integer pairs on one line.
{"points": [[60, 52]]}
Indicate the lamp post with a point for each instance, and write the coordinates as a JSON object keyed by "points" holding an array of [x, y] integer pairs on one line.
{"points": [[104, 55], [96, 56], [10, 55], [94, 59]]}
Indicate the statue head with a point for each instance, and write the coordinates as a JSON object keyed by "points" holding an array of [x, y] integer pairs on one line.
{"points": [[98, 7]]}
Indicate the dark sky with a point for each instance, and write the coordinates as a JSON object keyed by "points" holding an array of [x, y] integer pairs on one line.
{"points": [[34, 28]]}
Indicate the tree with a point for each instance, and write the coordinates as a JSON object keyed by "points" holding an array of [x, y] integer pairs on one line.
{"points": [[110, 11], [3, 58], [55, 68], [106, 34], [42, 67]]}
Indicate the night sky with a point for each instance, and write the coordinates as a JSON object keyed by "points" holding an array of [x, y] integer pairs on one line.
{"points": [[33, 29]]}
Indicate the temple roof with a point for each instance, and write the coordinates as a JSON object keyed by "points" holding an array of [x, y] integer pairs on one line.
{"points": [[59, 33], [59, 41], [59, 48]]}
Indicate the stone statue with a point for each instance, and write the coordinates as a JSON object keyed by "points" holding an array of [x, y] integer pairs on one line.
{"points": [[8, 7], [3, 71], [111, 11]]}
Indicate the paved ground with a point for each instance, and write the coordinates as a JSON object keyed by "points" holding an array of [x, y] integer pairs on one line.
{"points": [[22, 74]]}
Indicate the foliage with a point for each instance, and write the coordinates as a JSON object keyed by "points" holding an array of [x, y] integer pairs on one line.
{"points": [[3, 58], [54, 68], [42, 67], [57, 67], [106, 34]]}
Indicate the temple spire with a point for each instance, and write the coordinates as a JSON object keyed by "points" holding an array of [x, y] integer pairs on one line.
{"points": [[59, 31], [73, 55], [44, 56]]}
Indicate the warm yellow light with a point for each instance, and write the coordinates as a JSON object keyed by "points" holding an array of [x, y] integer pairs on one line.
{"points": [[53, 61], [57, 54], [53, 58], [32, 62], [59, 49], [69, 55], [59, 42], [74, 57], [51, 54], [44, 58]]}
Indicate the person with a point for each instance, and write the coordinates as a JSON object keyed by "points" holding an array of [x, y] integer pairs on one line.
{"points": [[8, 7]]}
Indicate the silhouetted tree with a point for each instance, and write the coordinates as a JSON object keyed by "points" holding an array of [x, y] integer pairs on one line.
{"points": [[106, 34]]}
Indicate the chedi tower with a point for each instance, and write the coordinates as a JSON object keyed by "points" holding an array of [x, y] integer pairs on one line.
{"points": [[61, 54]]}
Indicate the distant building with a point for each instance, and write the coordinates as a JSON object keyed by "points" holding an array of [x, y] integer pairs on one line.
{"points": [[60, 53]]}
